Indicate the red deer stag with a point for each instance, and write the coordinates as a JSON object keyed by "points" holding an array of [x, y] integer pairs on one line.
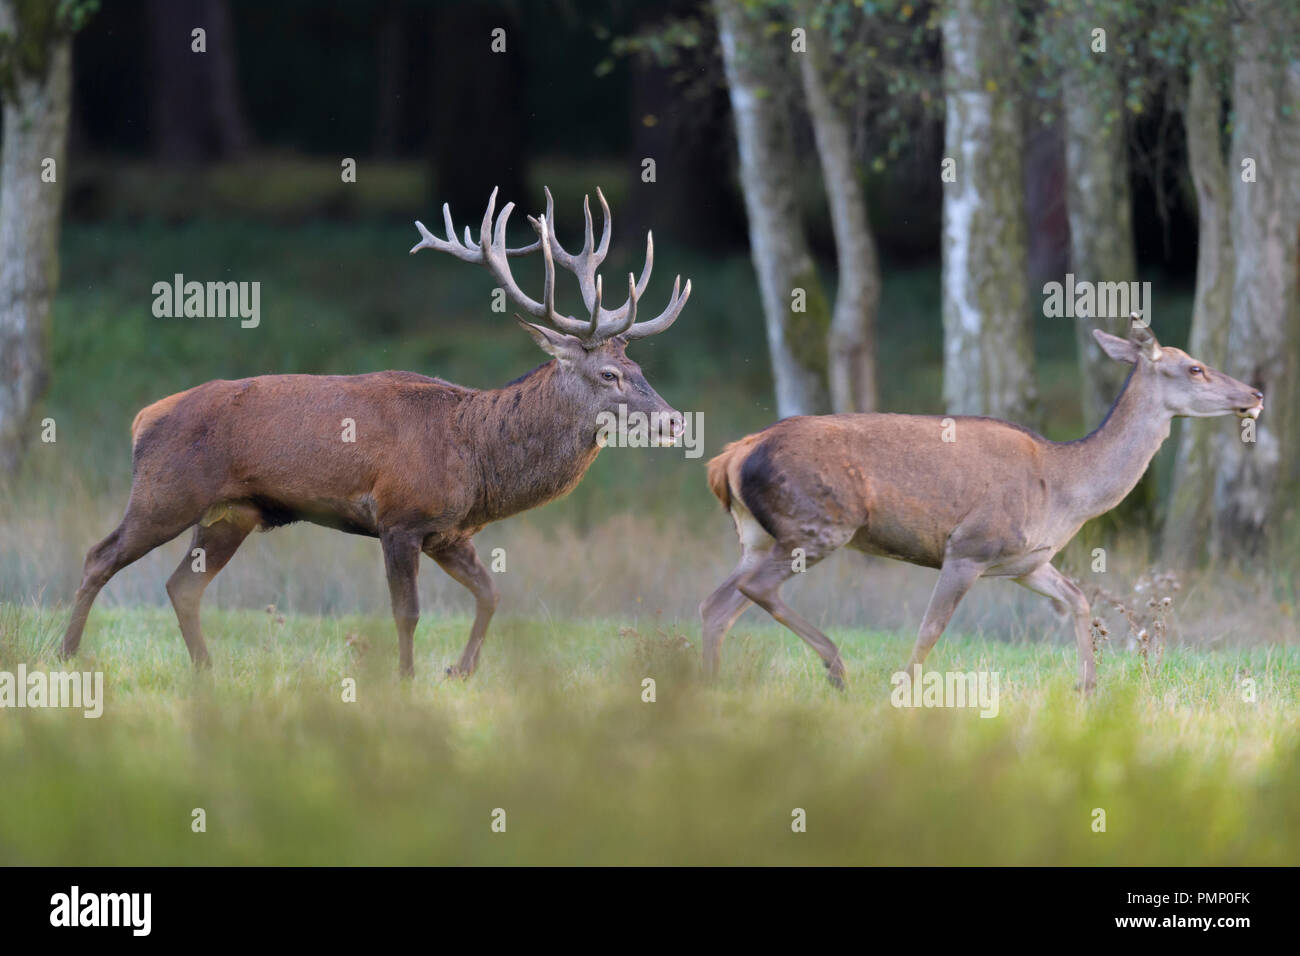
{"points": [[431, 463], [972, 497]]}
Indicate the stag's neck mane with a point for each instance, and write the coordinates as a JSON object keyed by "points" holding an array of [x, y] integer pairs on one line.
{"points": [[533, 443], [1102, 468]]}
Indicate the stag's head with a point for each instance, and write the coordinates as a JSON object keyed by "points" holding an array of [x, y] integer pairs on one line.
{"points": [[595, 374], [1184, 385]]}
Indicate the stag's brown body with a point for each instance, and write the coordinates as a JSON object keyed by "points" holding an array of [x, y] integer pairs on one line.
{"points": [[421, 450], [417, 462], [973, 497]]}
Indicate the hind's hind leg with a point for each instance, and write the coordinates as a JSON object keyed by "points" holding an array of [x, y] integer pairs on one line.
{"points": [[763, 587], [721, 609], [218, 541]]}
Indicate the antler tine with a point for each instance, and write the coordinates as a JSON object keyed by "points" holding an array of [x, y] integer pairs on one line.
{"points": [[618, 317], [485, 227], [606, 229], [566, 258], [594, 328], [564, 323], [665, 318], [468, 251], [428, 240], [649, 263], [588, 236], [548, 285], [583, 264], [617, 327], [493, 253]]}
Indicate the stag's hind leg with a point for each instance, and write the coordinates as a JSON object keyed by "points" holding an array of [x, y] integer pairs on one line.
{"points": [[138, 534], [463, 564], [218, 540], [763, 586]]}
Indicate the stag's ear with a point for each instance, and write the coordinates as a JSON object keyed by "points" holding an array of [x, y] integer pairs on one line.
{"points": [[1141, 335], [1121, 350], [566, 348]]}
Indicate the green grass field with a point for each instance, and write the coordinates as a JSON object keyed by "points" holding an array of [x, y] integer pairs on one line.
{"points": [[554, 731]]}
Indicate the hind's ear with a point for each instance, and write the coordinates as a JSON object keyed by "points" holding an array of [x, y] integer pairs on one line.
{"points": [[1121, 350]]}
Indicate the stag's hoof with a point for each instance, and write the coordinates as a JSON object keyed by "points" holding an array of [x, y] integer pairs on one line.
{"points": [[455, 670]]}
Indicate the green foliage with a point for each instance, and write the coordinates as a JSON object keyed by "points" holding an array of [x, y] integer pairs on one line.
{"points": [[37, 24], [554, 731], [885, 64]]}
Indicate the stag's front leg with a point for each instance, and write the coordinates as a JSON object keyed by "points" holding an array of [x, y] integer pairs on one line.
{"points": [[402, 563], [462, 563]]}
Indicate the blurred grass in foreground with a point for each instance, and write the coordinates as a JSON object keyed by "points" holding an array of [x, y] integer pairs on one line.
{"points": [[553, 730]]}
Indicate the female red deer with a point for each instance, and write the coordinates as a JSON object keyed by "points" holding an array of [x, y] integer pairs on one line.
{"points": [[983, 499], [431, 463]]}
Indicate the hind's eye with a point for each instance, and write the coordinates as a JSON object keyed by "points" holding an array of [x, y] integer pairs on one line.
{"points": [[1196, 370], [608, 376]]}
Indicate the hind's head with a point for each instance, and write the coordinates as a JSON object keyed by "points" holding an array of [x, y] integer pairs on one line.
{"points": [[1184, 385]]}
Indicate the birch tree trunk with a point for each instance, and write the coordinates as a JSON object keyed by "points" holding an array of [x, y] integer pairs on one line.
{"points": [[851, 346], [36, 95], [1100, 208], [756, 71], [1260, 349], [988, 352], [1187, 524]]}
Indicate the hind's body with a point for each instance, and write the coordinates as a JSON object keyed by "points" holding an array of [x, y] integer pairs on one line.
{"points": [[972, 497], [900, 489]]}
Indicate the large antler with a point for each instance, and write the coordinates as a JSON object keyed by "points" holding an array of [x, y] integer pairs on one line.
{"points": [[602, 323]]}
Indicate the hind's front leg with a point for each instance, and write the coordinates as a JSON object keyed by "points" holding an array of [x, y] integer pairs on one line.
{"points": [[955, 579], [1049, 582]]}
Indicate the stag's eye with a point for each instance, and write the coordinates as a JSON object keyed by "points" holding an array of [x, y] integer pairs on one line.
{"points": [[609, 376], [1196, 370]]}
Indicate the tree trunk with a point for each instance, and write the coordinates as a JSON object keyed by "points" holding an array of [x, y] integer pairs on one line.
{"points": [[1260, 350], [1186, 530], [197, 111], [796, 338], [1289, 396], [988, 351], [851, 345], [35, 129], [1100, 210], [1048, 219]]}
